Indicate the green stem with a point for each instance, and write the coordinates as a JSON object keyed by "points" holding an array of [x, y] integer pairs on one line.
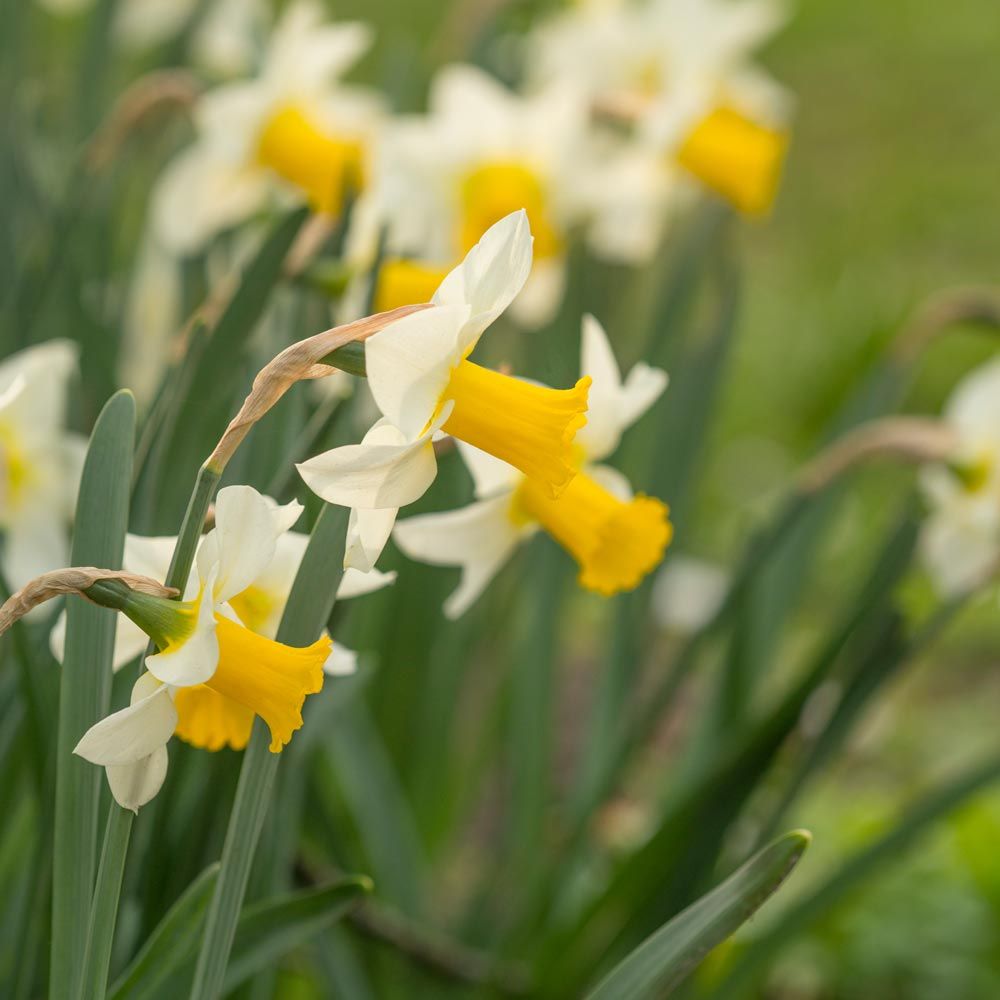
{"points": [[192, 526], [253, 795], [118, 831], [310, 604], [350, 358], [93, 982]]}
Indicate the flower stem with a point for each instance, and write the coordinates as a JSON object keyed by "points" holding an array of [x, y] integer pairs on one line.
{"points": [[118, 830], [94, 979], [309, 606]]}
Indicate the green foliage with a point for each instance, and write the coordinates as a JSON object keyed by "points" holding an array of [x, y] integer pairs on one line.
{"points": [[85, 689], [661, 962], [555, 791]]}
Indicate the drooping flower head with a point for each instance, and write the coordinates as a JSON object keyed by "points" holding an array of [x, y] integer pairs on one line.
{"points": [[480, 153], [216, 668], [682, 71], [292, 131], [424, 383], [960, 541], [40, 463], [615, 537]]}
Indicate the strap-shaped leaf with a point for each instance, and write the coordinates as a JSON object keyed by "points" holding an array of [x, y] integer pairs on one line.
{"points": [[172, 942], [665, 958], [85, 685], [264, 933], [215, 381], [268, 930]]}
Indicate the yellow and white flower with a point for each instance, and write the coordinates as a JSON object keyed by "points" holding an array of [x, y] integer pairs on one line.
{"points": [[292, 133], [259, 606], [423, 383], [218, 664], [682, 71], [480, 153], [615, 537], [40, 462], [960, 541]]}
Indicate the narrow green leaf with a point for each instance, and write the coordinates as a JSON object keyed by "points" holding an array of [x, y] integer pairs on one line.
{"points": [[172, 943], [85, 689], [866, 864], [531, 709], [104, 908], [665, 958], [309, 607], [207, 404], [271, 929], [265, 931], [363, 770]]}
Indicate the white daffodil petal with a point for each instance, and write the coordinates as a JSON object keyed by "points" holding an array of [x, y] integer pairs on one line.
{"points": [[247, 527], [149, 555], [201, 193], [615, 482], [36, 542], [132, 733], [33, 383], [643, 386], [612, 406], [687, 594], [193, 661], [377, 475], [974, 407], [489, 474], [602, 432], [478, 538], [959, 546], [342, 662], [368, 530], [133, 785], [409, 364], [490, 277], [539, 300], [356, 583]]}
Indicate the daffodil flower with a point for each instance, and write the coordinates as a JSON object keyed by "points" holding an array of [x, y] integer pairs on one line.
{"points": [[259, 606], [960, 539], [681, 70], [213, 671], [423, 383], [442, 179], [40, 463], [615, 537], [291, 132]]}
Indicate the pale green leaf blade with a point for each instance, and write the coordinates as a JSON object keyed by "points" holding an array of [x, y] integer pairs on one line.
{"points": [[85, 689], [172, 942], [666, 957], [269, 930]]}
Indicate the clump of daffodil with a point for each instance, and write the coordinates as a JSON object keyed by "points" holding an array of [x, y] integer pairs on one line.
{"points": [[291, 133], [40, 462], [681, 72], [212, 672], [443, 178], [960, 541], [615, 536], [424, 384]]}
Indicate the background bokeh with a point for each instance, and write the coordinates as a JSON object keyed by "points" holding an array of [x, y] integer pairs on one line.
{"points": [[890, 195]]}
